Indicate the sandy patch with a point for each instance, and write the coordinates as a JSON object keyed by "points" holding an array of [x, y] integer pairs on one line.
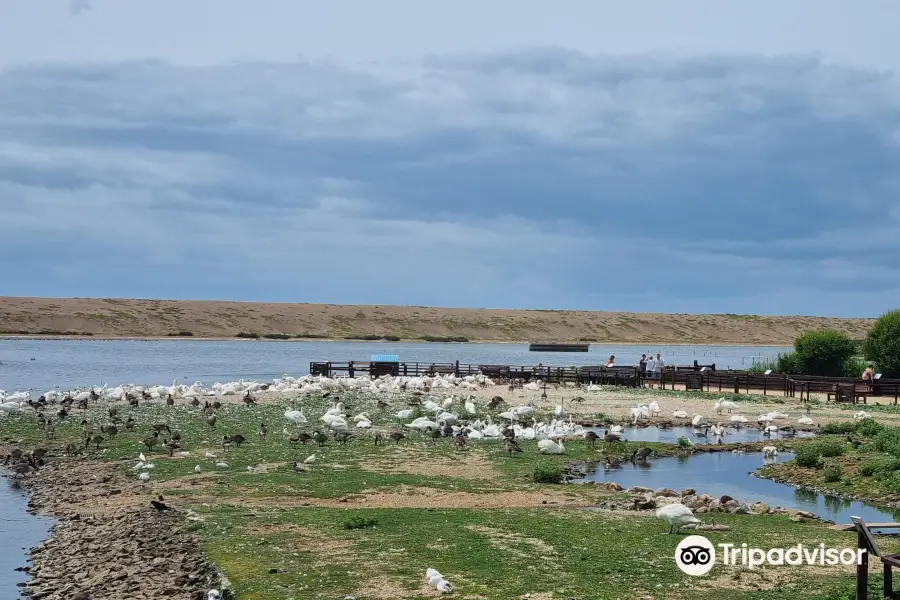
{"points": [[511, 543], [466, 465]]}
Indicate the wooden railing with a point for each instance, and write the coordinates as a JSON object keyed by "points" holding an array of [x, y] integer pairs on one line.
{"points": [[689, 377]]}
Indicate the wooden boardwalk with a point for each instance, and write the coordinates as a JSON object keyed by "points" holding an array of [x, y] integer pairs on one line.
{"points": [[690, 377]]}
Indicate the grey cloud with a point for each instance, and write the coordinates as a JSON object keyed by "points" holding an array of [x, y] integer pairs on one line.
{"points": [[544, 176]]}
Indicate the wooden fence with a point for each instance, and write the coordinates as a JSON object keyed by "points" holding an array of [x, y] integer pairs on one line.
{"points": [[693, 377]]}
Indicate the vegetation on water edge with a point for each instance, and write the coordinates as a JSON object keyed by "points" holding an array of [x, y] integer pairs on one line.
{"points": [[825, 353], [882, 344]]}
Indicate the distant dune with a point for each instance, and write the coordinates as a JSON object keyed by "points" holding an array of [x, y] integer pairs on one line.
{"points": [[218, 319]]}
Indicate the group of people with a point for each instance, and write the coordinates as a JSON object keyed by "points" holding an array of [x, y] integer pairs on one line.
{"points": [[650, 367]]}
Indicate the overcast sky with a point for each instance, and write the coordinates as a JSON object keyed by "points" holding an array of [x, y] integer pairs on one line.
{"points": [[685, 156]]}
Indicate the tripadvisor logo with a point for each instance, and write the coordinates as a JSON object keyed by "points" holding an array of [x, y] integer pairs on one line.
{"points": [[696, 555]]}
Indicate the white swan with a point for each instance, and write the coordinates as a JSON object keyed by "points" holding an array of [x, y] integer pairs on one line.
{"points": [[470, 406], [723, 404], [310, 459], [770, 451], [678, 515], [551, 447], [296, 416], [804, 420], [680, 414], [144, 477]]}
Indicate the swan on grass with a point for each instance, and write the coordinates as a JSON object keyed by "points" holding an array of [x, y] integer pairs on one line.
{"points": [[680, 414], [551, 447], [295, 416], [722, 405], [438, 581], [310, 459], [144, 477], [678, 516]]}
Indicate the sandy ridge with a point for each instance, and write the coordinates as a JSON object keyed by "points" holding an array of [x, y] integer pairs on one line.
{"points": [[222, 319]]}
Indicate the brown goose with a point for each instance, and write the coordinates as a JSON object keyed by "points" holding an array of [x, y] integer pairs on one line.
{"points": [[343, 436], [319, 437], [591, 438], [460, 441], [512, 447], [97, 439], [151, 440], [397, 436], [236, 439], [263, 430]]}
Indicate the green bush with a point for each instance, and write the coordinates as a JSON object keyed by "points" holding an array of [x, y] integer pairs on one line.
{"points": [[892, 483], [547, 472], [439, 338], [276, 336], [841, 428], [832, 472], [360, 522], [823, 352], [248, 335], [854, 366], [869, 428], [831, 448], [888, 440], [882, 345], [787, 364], [807, 455], [391, 338], [311, 336], [880, 466]]}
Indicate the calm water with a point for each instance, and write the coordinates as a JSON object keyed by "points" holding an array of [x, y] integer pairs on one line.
{"points": [[718, 473], [21, 531], [70, 363]]}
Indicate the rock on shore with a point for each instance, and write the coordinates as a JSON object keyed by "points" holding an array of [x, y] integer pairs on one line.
{"points": [[110, 542]]}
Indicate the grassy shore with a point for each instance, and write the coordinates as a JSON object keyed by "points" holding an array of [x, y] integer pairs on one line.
{"points": [[133, 318], [366, 520]]}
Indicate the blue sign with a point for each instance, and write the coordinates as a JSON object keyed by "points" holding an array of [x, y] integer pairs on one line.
{"points": [[385, 358]]}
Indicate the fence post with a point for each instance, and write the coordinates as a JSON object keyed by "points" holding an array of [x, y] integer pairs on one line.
{"points": [[456, 369], [350, 369]]}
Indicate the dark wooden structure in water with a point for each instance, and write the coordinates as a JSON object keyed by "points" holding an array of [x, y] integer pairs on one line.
{"points": [[552, 347]]}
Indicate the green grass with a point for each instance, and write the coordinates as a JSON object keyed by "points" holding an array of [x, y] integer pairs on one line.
{"points": [[255, 521]]}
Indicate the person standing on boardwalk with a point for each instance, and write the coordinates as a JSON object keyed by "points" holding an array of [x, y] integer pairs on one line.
{"points": [[660, 363], [651, 370], [868, 376], [642, 368]]}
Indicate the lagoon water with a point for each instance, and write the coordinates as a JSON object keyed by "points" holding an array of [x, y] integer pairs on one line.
{"points": [[70, 363], [720, 473], [20, 531]]}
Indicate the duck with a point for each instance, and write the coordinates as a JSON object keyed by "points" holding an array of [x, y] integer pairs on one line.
{"points": [[612, 463], [591, 437]]}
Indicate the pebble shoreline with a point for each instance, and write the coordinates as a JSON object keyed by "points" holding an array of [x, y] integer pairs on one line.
{"points": [[110, 549]]}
